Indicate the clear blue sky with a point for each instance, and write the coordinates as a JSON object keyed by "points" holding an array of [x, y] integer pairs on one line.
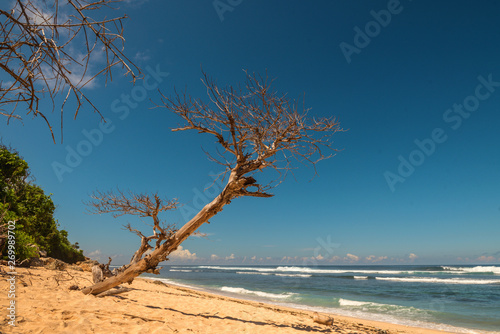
{"points": [[404, 80]]}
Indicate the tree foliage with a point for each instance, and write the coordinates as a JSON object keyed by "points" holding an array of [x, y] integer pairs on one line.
{"points": [[27, 204]]}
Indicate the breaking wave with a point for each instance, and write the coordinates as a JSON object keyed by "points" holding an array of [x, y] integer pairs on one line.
{"points": [[257, 293]]}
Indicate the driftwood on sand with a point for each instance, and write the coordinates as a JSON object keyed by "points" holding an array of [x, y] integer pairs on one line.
{"points": [[113, 292], [323, 319], [97, 275], [100, 271]]}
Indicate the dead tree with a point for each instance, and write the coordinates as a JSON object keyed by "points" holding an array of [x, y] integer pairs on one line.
{"points": [[256, 129], [46, 50], [120, 203]]}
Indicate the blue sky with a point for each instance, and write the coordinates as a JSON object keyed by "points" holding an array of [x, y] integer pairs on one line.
{"points": [[417, 178]]}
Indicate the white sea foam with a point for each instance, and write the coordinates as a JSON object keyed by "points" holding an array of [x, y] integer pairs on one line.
{"points": [[182, 270], [359, 309], [360, 277], [308, 270], [264, 273], [238, 268], [477, 269], [395, 310], [252, 273], [382, 308], [439, 280], [337, 271], [293, 275], [257, 293], [347, 302]]}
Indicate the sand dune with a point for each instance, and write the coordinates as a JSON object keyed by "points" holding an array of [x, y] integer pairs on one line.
{"points": [[45, 304]]}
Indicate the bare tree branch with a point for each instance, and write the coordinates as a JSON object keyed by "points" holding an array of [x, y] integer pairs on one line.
{"points": [[40, 53], [120, 203], [257, 127]]}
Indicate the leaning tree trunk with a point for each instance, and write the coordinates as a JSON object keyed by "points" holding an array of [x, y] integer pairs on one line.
{"points": [[151, 260]]}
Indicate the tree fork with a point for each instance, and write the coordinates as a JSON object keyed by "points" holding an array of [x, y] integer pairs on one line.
{"points": [[152, 260]]}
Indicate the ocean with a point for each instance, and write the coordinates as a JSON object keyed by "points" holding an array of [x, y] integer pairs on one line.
{"points": [[460, 299]]}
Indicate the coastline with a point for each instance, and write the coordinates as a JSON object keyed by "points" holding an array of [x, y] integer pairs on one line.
{"points": [[44, 304]]}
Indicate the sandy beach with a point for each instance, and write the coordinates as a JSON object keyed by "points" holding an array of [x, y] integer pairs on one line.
{"points": [[45, 304]]}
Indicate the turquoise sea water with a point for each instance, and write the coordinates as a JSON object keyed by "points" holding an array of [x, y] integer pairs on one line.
{"points": [[461, 299]]}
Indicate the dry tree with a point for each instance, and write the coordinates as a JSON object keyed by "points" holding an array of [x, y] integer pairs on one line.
{"points": [[51, 49], [120, 203], [255, 129]]}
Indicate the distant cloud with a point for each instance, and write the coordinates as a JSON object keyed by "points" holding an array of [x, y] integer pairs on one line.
{"points": [[253, 258], [182, 254], [6, 83], [230, 257], [142, 56], [135, 3], [412, 256], [95, 254], [319, 257], [288, 259], [486, 258], [373, 258], [201, 235], [351, 258], [214, 257]]}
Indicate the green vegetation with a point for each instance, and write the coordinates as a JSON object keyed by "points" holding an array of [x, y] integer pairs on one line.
{"points": [[26, 203]]}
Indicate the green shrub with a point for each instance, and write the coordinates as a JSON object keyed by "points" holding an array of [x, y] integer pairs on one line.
{"points": [[33, 211]]}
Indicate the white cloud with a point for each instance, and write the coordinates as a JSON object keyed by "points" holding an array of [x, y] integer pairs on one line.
{"points": [[231, 257], [319, 257], [373, 258], [351, 258], [412, 256], [214, 257], [142, 56], [135, 3], [77, 75], [485, 258], [95, 255], [6, 83], [253, 258], [182, 254]]}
